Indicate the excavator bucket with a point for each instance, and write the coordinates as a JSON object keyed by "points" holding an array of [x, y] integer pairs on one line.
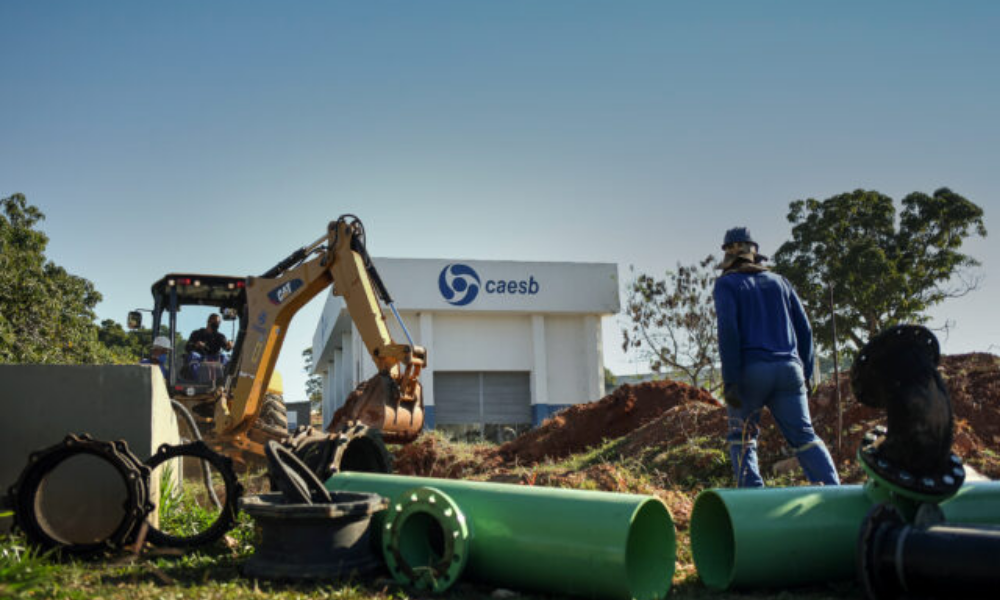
{"points": [[378, 403]]}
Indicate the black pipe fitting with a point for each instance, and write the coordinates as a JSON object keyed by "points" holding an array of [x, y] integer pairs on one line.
{"points": [[897, 371], [938, 560]]}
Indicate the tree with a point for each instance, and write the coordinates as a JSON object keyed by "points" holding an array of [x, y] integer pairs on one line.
{"points": [[46, 313], [671, 321], [128, 343], [314, 383], [884, 270], [133, 343]]}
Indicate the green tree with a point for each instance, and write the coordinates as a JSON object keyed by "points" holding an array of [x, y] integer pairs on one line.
{"points": [[314, 383], [884, 268], [133, 344], [671, 322], [46, 314]]}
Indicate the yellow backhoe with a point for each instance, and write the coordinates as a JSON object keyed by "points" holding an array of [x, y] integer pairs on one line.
{"points": [[230, 399]]}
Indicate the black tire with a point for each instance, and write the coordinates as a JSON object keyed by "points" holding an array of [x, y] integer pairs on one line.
{"points": [[273, 412]]}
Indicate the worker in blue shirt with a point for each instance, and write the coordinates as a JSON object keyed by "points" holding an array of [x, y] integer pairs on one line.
{"points": [[159, 355], [766, 347]]}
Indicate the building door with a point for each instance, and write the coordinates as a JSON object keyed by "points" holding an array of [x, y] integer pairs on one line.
{"points": [[482, 401]]}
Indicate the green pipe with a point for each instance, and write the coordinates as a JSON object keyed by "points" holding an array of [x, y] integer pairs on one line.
{"points": [[425, 539], [780, 537], [597, 545]]}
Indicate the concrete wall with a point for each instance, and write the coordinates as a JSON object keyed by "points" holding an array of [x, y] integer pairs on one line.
{"points": [[43, 403]]}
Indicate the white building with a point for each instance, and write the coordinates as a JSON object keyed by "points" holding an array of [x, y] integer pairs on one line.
{"points": [[508, 343]]}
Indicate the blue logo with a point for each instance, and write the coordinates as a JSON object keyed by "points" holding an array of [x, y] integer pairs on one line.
{"points": [[459, 284]]}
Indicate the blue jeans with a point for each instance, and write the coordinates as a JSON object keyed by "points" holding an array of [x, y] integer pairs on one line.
{"points": [[781, 387]]}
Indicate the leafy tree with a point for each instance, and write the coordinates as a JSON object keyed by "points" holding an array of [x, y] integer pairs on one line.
{"points": [[314, 383], [128, 343], [885, 269], [46, 313], [671, 322], [133, 343]]}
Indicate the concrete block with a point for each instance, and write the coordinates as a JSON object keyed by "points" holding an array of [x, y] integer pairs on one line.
{"points": [[41, 404]]}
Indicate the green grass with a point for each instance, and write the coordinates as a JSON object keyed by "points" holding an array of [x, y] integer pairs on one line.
{"points": [[22, 569]]}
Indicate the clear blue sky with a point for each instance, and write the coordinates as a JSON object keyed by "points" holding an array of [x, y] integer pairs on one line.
{"points": [[217, 137]]}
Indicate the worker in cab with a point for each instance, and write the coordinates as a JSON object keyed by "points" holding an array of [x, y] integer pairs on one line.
{"points": [[208, 342], [766, 347], [159, 354], [205, 346]]}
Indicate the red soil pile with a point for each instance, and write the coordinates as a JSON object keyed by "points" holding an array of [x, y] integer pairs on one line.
{"points": [[662, 415], [586, 425]]}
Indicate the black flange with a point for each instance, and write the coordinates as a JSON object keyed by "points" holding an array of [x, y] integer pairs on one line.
{"points": [[296, 481], [933, 486], [354, 448], [135, 476], [226, 519]]}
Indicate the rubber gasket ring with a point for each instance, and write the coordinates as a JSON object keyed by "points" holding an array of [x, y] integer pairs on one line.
{"points": [[226, 519], [134, 474], [293, 478]]}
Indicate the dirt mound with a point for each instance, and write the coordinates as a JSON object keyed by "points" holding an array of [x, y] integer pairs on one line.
{"points": [[679, 432], [432, 455], [586, 425]]}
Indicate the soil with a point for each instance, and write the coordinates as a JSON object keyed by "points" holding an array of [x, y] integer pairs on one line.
{"points": [[583, 426], [651, 419]]}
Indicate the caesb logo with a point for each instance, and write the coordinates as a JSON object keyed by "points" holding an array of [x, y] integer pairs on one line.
{"points": [[459, 284]]}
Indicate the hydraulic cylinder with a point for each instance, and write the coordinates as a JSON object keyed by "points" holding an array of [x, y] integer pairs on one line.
{"points": [[598, 545]]}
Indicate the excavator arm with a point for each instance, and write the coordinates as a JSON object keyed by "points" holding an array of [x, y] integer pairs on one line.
{"points": [[392, 401]]}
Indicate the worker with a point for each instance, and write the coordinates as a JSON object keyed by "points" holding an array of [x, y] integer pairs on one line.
{"points": [[205, 346], [159, 354], [208, 341], [766, 347]]}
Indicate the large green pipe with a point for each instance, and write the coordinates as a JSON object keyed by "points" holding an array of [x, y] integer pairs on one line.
{"points": [[780, 537], [596, 545]]}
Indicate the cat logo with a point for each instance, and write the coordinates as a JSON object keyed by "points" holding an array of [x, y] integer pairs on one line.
{"points": [[283, 291]]}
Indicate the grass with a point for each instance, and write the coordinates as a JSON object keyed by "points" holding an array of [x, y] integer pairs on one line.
{"points": [[214, 573]]}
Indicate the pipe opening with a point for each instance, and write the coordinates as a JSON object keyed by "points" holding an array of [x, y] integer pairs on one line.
{"points": [[651, 551], [712, 541], [71, 517], [421, 540]]}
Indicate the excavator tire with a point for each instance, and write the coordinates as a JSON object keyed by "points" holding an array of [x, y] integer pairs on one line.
{"points": [[273, 418]]}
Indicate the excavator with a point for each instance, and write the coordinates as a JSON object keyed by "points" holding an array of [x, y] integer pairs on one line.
{"points": [[231, 401]]}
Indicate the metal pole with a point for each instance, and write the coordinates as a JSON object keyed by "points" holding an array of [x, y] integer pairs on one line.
{"points": [[836, 376]]}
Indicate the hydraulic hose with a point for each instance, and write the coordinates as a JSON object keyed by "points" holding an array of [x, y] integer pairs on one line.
{"points": [[206, 469], [597, 545]]}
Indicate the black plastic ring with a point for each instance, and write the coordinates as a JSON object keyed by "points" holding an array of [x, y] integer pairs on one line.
{"points": [[227, 517]]}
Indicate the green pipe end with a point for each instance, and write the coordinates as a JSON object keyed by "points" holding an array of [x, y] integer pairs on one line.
{"points": [[425, 539], [712, 541], [651, 551]]}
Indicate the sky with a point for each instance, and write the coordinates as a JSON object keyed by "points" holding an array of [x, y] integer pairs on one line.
{"points": [[218, 137]]}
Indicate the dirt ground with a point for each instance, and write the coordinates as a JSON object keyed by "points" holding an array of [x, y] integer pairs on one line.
{"points": [[653, 419]]}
